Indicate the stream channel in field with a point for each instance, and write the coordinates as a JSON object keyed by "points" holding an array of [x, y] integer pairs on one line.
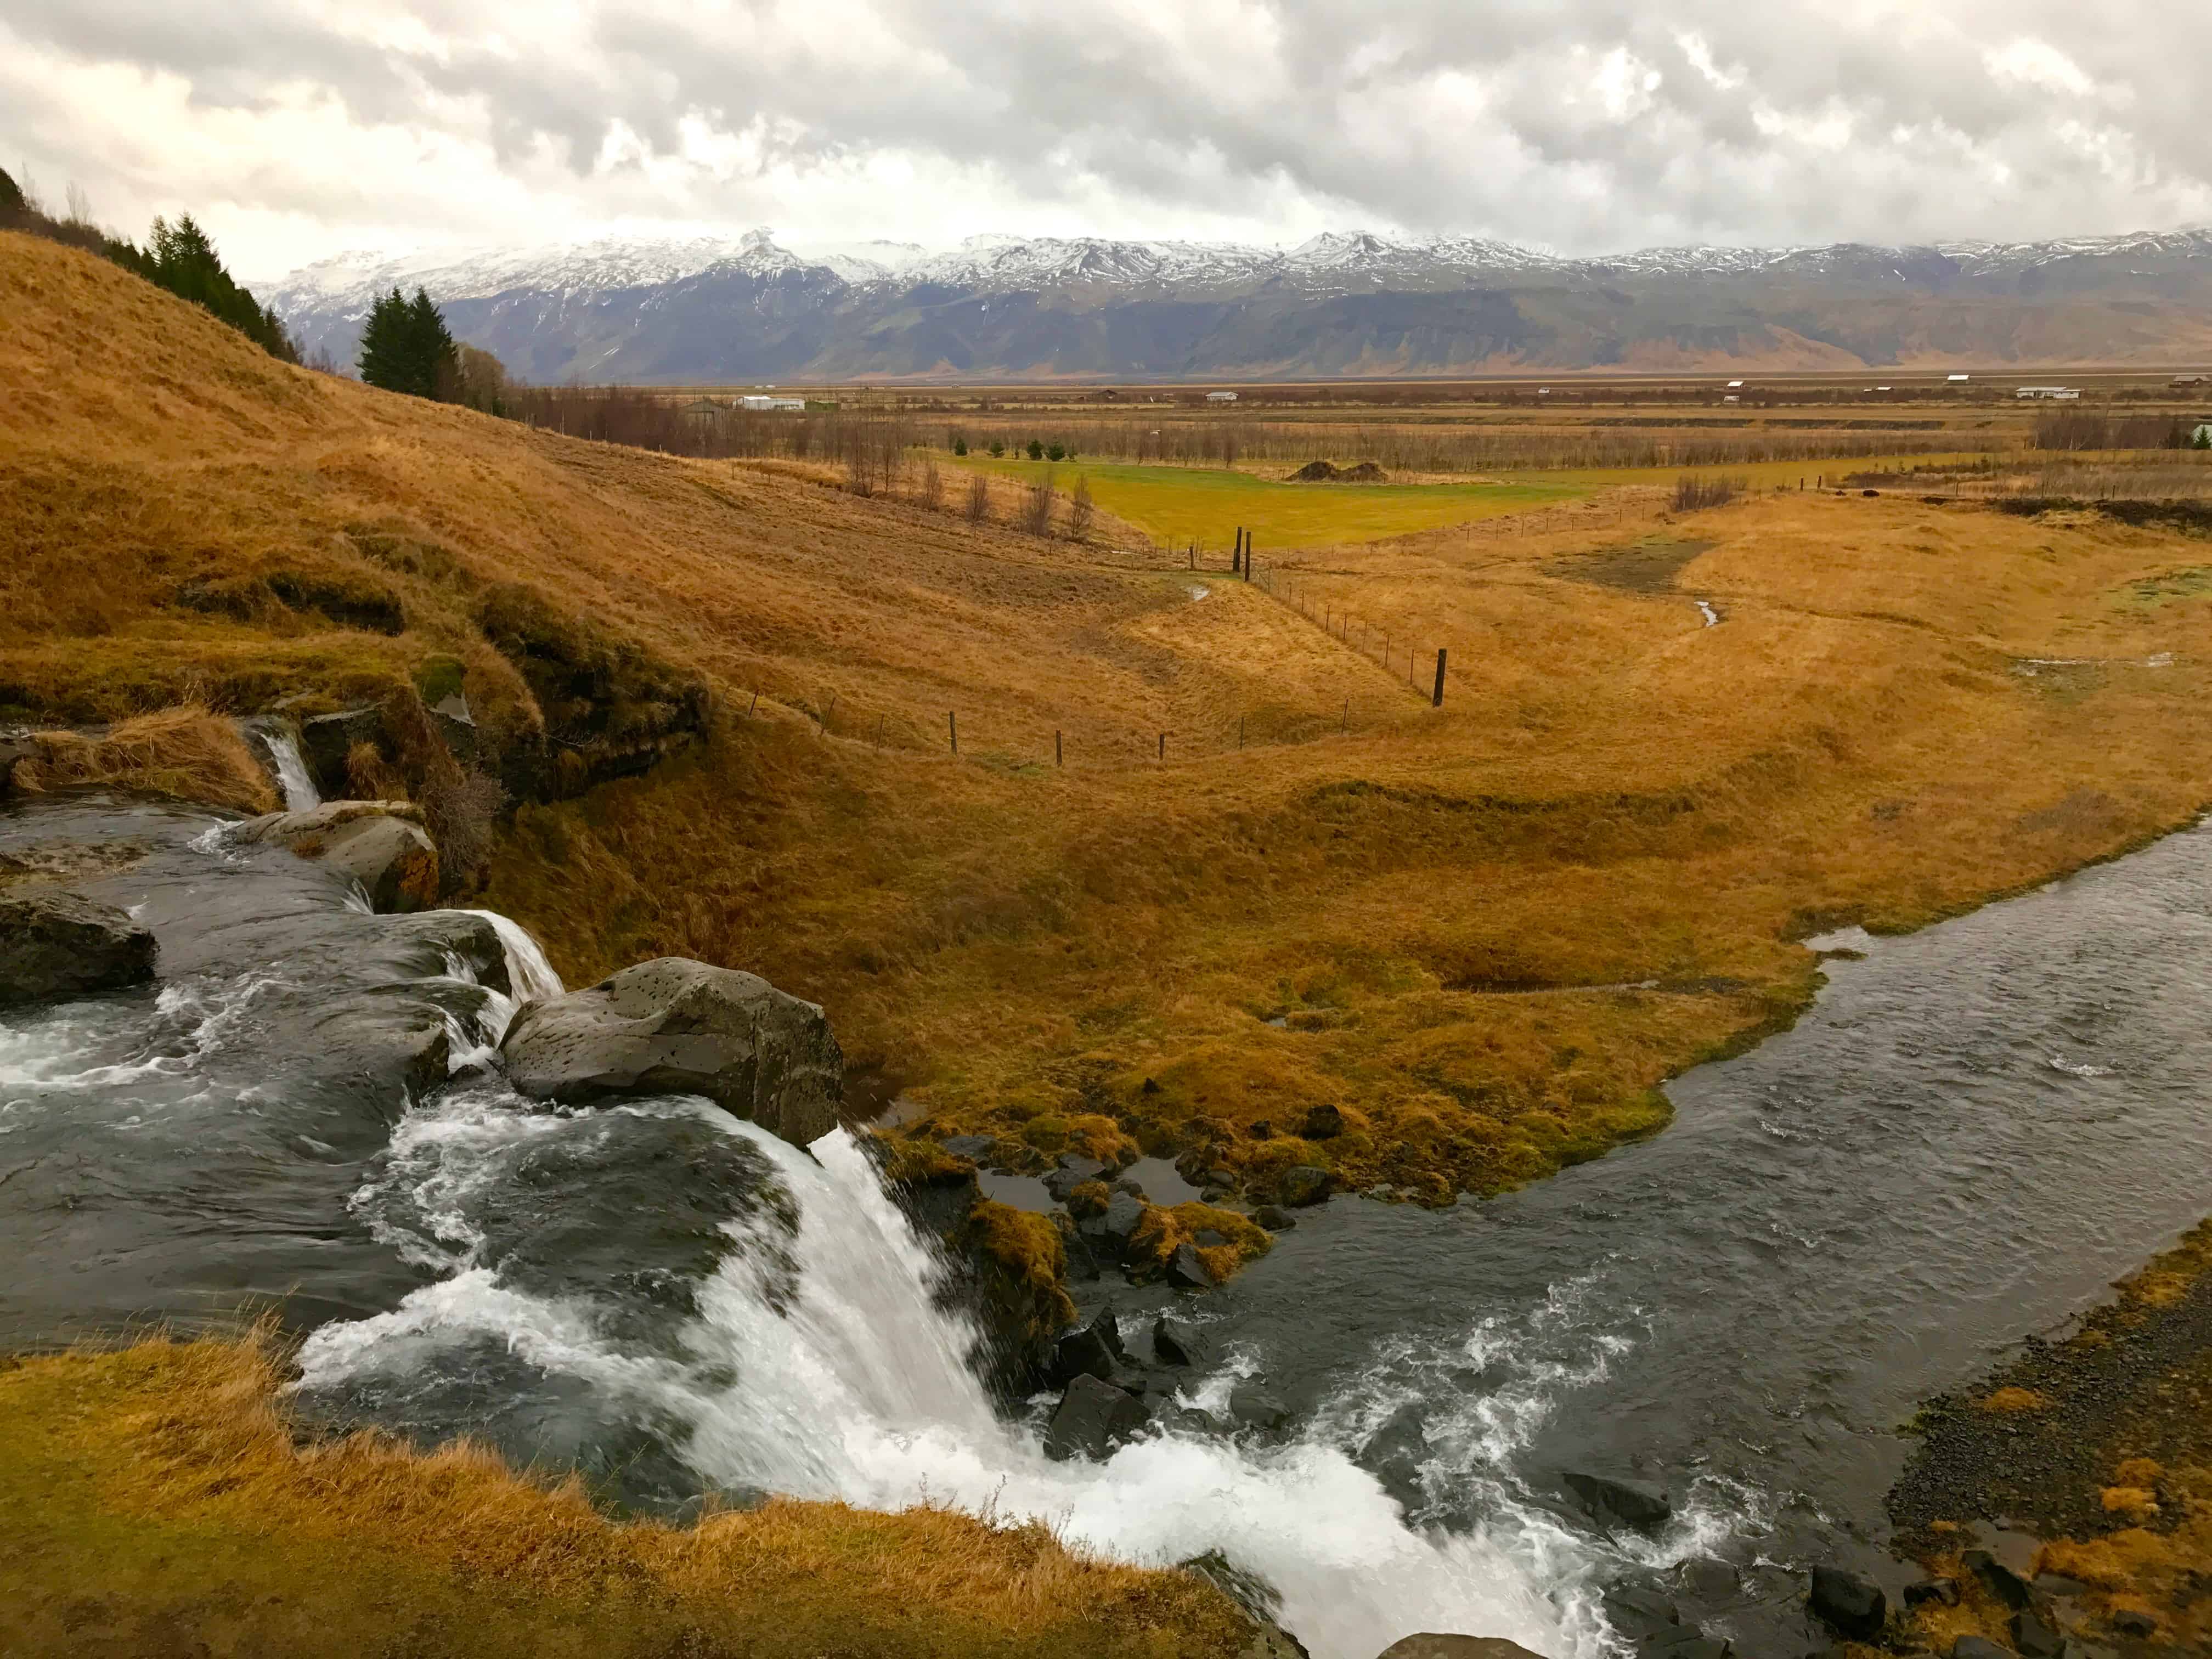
{"points": [[1972, 1131]]}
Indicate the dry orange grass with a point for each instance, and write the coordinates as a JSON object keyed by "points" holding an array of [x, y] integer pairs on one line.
{"points": [[185, 752], [155, 1495], [1486, 932]]}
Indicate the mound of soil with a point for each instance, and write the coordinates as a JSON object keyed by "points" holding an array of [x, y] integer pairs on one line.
{"points": [[1329, 473]]}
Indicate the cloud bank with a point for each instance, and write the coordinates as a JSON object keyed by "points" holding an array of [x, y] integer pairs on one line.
{"points": [[299, 129]]}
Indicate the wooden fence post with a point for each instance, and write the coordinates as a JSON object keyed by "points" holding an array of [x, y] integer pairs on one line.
{"points": [[754, 704], [1056, 759], [952, 729], [1437, 701], [1164, 745], [1248, 556], [1240, 730]]}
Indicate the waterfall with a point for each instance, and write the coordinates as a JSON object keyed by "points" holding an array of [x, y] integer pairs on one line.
{"points": [[529, 974], [292, 775], [856, 1389]]}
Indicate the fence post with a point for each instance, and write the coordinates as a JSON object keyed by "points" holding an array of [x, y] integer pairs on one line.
{"points": [[754, 704], [952, 729], [1345, 725], [1437, 701], [1056, 759], [1240, 730], [1164, 745], [1248, 556]]}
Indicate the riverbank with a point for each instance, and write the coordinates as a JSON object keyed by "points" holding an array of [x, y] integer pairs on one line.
{"points": [[163, 1496], [2088, 1461]]}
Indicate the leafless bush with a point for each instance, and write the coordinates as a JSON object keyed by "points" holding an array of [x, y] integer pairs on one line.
{"points": [[462, 811], [1692, 492], [979, 499], [1036, 506], [1079, 509], [2086, 429], [933, 485]]}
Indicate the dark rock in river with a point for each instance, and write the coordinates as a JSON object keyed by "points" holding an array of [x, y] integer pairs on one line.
{"points": [[1187, 1269], [1977, 1647], [1274, 1219], [54, 944], [1432, 1644], [1628, 1503], [2132, 1621], [1125, 1213], [1256, 1408], [1302, 1184], [2051, 1583], [1640, 1612], [675, 1026], [1074, 1170], [1093, 1416], [974, 1147], [1180, 1341], [1849, 1604], [1093, 1350], [379, 843]]}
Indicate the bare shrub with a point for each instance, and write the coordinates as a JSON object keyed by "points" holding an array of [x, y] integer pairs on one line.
{"points": [[1692, 492], [462, 810], [979, 499], [1036, 506], [1080, 510], [933, 484]]}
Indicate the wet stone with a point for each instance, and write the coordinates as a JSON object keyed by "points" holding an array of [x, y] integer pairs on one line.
{"points": [[1092, 1417], [1180, 1341], [1941, 1592], [1977, 1647], [1302, 1184], [2001, 1581], [2034, 1638], [1186, 1270], [1092, 1350], [1849, 1604], [977, 1147], [1627, 1502], [1074, 1170], [1253, 1407]]}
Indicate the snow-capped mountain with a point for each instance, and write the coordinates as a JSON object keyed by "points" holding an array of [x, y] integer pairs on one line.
{"points": [[707, 308]]}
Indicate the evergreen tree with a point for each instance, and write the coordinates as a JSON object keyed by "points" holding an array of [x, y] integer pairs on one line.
{"points": [[13, 202], [181, 258], [405, 346]]}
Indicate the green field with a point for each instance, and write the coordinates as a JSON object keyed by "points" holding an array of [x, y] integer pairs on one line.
{"points": [[1179, 505]]}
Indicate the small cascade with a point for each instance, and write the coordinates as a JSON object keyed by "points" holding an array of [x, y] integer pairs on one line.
{"points": [[279, 737], [528, 972]]}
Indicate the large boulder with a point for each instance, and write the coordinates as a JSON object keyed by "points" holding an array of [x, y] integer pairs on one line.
{"points": [[55, 944], [1095, 1350], [1434, 1644], [380, 843], [678, 1027]]}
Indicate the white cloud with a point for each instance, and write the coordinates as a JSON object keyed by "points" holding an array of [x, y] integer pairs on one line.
{"points": [[297, 128]]}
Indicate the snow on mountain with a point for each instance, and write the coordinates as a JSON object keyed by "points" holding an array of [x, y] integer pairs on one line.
{"points": [[1329, 262]]}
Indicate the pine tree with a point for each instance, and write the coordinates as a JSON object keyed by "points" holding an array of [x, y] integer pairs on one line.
{"points": [[383, 359], [181, 258]]}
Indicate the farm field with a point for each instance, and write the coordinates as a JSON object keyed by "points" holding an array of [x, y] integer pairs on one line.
{"points": [[1180, 506]]}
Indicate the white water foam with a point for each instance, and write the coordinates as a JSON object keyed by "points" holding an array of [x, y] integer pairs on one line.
{"points": [[858, 1388], [528, 972], [300, 794]]}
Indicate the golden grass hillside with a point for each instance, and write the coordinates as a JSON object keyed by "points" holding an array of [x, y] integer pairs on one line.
{"points": [[1487, 933], [152, 1501]]}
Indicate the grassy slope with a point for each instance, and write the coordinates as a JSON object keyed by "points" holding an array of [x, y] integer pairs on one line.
{"points": [[1451, 913], [152, 1500]]}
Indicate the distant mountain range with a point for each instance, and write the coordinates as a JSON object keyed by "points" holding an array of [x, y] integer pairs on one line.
{"points": [[713, 310]]}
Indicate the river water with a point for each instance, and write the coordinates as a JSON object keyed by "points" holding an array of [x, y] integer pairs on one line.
{"points": [[1971, 1132]]}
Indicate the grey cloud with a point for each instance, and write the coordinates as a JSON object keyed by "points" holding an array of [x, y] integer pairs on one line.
{"points": [[1063, 104]]}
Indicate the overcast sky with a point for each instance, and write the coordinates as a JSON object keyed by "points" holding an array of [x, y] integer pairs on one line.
{"points": [[296, 129]]}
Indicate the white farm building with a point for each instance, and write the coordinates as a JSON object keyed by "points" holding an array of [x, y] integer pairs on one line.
{"points": [[1221, 396], [2054, 394], [760, 403]]}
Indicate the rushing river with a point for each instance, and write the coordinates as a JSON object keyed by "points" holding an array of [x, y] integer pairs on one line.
{"points": [[1973, 1130]]}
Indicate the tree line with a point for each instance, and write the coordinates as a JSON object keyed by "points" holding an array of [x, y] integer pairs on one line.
{"points": [[179, 256]]}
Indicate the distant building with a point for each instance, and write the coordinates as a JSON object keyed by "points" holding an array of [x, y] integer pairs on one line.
{"points": [[2052, 394], [1955, 378], [1221, 396], [761, 403], [703, 408], [1735, 386], [1731, 399], [2186, 379]]}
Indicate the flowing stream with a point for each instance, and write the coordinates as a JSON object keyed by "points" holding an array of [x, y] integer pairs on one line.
{"points": [[1971, 1132]]}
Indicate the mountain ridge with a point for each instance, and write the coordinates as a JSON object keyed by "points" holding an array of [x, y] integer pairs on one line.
{"points": [[706, 308]]}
